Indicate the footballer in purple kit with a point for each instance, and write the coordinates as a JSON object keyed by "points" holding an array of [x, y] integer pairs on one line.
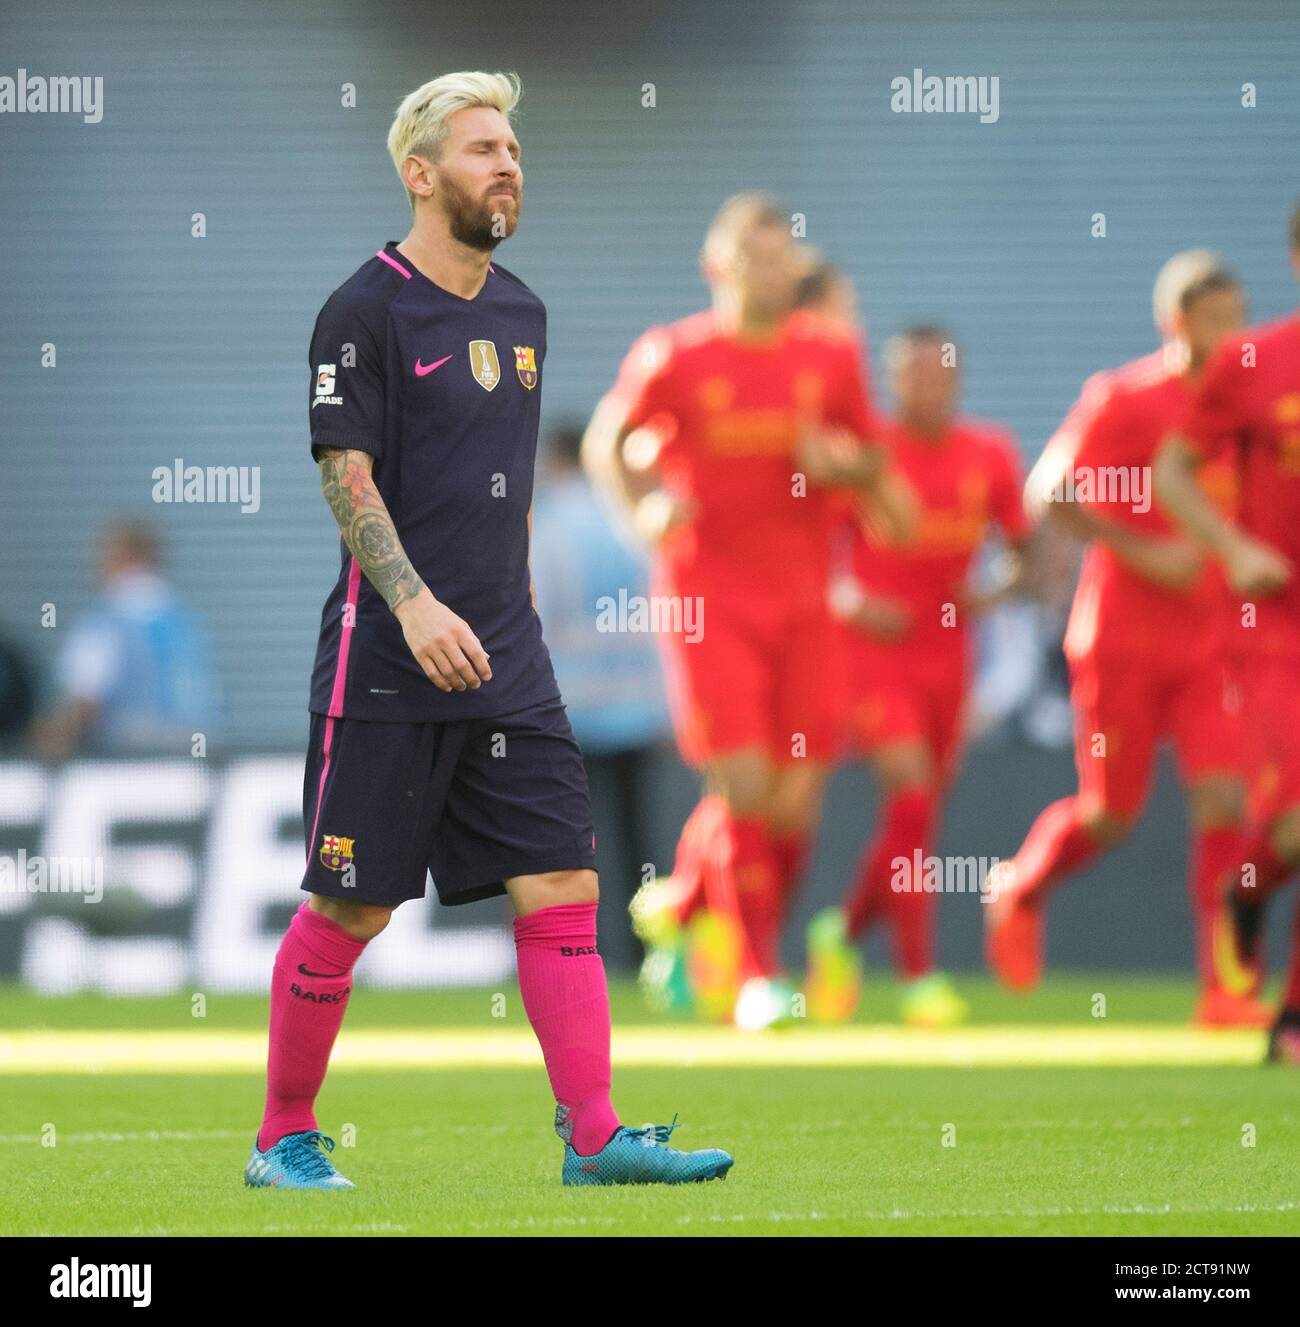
{"points": [[438, 739]]}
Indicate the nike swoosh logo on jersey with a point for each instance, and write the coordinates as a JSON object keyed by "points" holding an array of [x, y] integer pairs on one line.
{"points": [[307, 972], [422, 369]]}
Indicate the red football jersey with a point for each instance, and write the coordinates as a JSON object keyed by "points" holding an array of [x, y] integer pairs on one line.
{"points": [[1247, 410], [1111, 436], [729, 412], [966, 482]]}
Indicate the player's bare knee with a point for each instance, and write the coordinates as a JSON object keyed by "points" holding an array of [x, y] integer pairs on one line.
{"points": [[1107, 828], [362, 921], [795, 804], [1285, 835], [792, 818], [1216, 802], [903, 767], [557, 888], [746, 785], [748, 795]]}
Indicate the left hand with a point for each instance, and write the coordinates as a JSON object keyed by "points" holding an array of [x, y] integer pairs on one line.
{"points": [[825, 455]]}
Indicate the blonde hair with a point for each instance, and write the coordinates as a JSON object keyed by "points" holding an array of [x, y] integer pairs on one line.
{"points": [[420, 124], [736, 218], [1185, 276]]}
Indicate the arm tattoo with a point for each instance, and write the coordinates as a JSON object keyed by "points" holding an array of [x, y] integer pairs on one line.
{"points": [[367, 527]]}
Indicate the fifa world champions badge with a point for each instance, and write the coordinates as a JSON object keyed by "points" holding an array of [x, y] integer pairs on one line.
{"points": [[483, 360], [335, 852]]}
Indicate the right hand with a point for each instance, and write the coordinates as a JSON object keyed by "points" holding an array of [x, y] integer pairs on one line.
{"points": [[873, 614], [1256, 568], [442, 644], [893, 508], [885, 619], [824, 454], [658, 512]]}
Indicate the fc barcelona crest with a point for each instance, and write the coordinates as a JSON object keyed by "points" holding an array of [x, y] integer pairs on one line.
{"points": [[484, 364], [336, 852], [526, 366]]}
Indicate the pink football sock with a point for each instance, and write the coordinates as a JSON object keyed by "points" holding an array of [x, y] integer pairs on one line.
{"points": [[562, 981], [310, 984]]}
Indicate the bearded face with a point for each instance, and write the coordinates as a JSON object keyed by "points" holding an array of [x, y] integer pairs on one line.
{"points": [[480, 220]]}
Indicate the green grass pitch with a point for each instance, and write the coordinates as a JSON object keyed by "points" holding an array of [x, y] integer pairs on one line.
{"points": [[970, 1145]]}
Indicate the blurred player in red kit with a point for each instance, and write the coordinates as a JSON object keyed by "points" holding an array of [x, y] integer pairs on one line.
{"points": [[904, 625], [756, 421], [1247, 412], [1148, 641]]}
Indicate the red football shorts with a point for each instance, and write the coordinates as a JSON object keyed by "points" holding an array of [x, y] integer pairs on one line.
{"points": [[1270, 686], [1125, 705], [893, 695], [756, 673]]}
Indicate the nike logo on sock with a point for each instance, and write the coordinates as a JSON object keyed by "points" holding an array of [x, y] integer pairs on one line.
{"points": [[307, 972], [422, 369]]}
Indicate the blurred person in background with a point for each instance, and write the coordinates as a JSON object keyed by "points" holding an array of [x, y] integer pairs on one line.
{"points": [[17, 694], [1148, 640], [1246, 411], [1021, 690], [136, 672], [905, 613], [611, 679], [763, 419]]}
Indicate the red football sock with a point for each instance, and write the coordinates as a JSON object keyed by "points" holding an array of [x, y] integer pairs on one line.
{"points": [[1215, 852], [1270, 871], [790, 855], [1056, 844], [698, 849], [310, 984], [904, 826], [562, 982], [750, 882]]}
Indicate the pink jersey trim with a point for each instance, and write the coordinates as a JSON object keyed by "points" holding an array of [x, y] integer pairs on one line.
{"points": [[393, 263], [345, 640], [320, 791]]}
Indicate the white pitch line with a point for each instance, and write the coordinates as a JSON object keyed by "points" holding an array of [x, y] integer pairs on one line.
{"points": [[138, 1136], [765, 1218], [653, 1046], [993, 1214]]}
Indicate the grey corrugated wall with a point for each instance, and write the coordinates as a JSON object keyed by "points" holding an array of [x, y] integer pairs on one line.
{"points": [[170, 346]]}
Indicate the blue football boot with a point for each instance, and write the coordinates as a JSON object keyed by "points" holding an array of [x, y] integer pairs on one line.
{"points": [[295, 1162], [639, 1156]]}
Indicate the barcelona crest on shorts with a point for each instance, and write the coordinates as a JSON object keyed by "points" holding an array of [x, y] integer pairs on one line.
{"points": [[335, 852], [526, 366]]}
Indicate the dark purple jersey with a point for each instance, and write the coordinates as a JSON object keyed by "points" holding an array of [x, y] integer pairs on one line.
{"points": [[444, 393]]}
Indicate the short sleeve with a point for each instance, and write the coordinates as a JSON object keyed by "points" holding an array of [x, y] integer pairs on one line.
{"points": [[1215, 417], [1006, 489], [1069, 436], [1108, 434], [1119, 433], [346, 396], [645, 383], [850, 403]]}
